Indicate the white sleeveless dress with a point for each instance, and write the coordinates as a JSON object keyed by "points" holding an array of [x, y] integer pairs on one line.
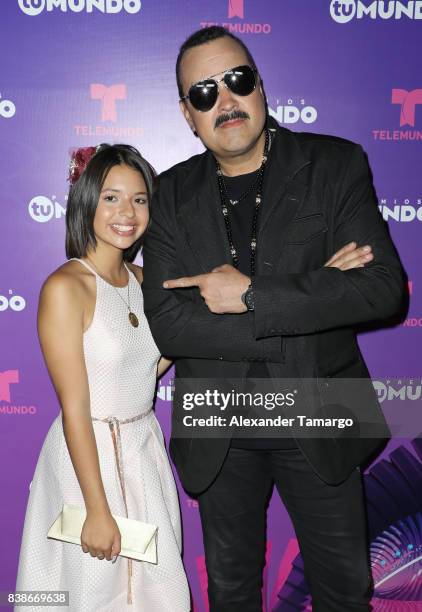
{"points": [[121, 363]]}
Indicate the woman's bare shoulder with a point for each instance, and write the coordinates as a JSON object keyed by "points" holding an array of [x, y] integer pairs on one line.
{"points": [[68, 282]]}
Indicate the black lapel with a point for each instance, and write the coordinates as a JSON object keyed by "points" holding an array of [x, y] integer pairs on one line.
{"points": [[200, 216], [285, 187]]}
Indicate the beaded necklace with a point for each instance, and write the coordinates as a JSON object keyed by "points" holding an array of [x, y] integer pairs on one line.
{"points": [[224, 198]]}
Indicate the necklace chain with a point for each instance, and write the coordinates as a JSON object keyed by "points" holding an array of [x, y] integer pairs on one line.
{"points": [[224, 198], [132, 316], [245, 194]]}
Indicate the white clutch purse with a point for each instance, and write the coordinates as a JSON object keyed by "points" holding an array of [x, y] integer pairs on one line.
{"points": [[139, 540]]}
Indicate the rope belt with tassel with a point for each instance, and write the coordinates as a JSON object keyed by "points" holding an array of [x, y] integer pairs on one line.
{"points": [[114, 425]]}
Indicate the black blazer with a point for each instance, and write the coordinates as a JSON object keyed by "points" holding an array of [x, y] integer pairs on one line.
{"points": [[318, 196]]}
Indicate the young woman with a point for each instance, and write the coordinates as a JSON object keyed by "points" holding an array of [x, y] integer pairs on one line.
{"points": [[105, 450]]}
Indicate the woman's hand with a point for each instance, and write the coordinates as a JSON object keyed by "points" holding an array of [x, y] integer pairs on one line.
{"points": [[162, 366], [101, 536], [350, 256]]}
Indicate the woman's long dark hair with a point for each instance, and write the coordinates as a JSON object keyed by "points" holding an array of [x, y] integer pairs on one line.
{"points": [[84, 195]]}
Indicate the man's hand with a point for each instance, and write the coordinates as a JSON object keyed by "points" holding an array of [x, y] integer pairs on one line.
{"points": [[221, 288], [350, 257]]}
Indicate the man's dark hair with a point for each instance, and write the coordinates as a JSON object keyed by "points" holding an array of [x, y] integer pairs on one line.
{"points": [[85, 193], [200, 37]]}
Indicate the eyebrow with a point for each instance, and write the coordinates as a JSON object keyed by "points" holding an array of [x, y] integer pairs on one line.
{"points": [[119, 191]]}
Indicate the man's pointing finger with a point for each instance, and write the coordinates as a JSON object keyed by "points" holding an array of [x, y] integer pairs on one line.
{"points": [[184, 281]]}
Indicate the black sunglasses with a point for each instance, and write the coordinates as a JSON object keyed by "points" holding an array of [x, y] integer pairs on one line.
{"points": [[203, 94]]}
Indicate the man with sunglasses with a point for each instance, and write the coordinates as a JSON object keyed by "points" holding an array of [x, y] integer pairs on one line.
{"points": [[263, 253]]}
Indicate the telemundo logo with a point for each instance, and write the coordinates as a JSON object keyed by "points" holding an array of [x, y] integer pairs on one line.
{"points": [[7, 108], [401, 212], [36, 7], [343, 11], [12, 302], [42, 209], [292, 114]]}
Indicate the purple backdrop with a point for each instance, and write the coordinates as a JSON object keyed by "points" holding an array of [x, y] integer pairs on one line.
{"points": [[80, 72]]}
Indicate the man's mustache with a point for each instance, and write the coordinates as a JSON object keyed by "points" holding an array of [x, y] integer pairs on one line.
{"points": [[236, 114]]}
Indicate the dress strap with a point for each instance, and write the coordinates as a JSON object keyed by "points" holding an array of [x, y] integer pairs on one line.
{"points": [[86, 265], [131, 274]]}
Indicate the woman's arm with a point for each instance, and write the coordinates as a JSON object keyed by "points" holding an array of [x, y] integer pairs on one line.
{"points": [[60, 329]]}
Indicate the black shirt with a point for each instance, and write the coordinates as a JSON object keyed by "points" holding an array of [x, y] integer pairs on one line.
{"points": [[241, 216]]}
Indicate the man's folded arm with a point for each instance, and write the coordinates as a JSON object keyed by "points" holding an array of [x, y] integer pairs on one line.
{"points": [[181, 324], [326, 298]]}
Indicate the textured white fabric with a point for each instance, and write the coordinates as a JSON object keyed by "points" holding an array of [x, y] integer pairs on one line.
{"points": [[121, 364]]}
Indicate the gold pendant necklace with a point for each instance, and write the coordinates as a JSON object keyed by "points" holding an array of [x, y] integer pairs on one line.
{"points": [[133, 319]]}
